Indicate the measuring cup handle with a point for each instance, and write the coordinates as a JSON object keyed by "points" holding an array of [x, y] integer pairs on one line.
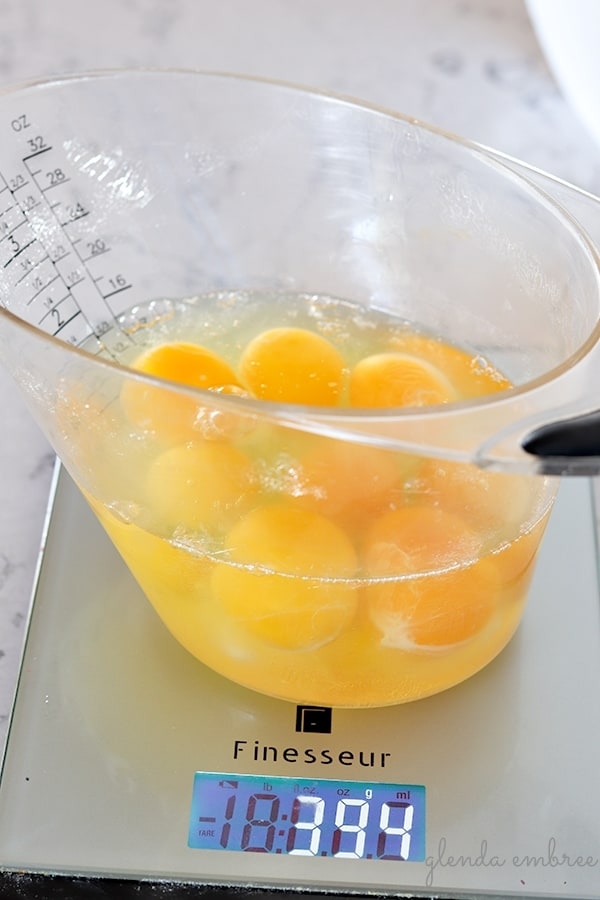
{"points": [[580, 204], [575, 437], [570, 445]]}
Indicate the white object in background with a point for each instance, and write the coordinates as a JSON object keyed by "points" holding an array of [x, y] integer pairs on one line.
{"points": [[569, 33]]}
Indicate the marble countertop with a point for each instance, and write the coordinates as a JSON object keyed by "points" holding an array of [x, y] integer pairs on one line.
{"points": [[471, 66]]}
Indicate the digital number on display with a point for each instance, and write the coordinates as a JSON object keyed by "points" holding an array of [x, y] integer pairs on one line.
{"points": [[322, 817]]}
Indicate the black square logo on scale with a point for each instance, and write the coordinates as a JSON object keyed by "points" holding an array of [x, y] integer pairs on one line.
{"points": [[314, 719]]}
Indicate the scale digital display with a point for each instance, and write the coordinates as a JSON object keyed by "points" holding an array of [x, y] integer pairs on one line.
{"points": [[304, 817]]}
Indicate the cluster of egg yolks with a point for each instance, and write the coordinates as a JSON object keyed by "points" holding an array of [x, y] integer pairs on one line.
{"points": [[286, 569], [427, 611], [286, 576], [288, 365], [170, 415], [293, 365]]}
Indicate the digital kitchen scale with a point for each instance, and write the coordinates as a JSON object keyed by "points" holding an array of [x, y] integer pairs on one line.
{"points": [[131, 770]]}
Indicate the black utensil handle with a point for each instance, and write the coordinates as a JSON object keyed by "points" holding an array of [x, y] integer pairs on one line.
{"points": [[575, 437]]}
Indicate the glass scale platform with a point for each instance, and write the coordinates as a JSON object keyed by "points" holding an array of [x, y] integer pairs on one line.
{"points": [[489, 790]]}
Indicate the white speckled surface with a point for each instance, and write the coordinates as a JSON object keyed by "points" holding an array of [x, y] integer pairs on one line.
{"points": [[470, 66]]}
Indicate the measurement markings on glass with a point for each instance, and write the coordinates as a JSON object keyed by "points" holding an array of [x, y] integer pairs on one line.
{"points": [[39, 208], [15, 245], [28, 269]]}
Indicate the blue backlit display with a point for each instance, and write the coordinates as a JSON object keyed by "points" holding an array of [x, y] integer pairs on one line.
{"points": [[308, 817]]}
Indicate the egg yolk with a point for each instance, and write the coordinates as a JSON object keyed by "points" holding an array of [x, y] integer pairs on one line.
{"points": [[350, 482], [433, 611], [293, 365], [285, 576], [199, 486], [472, 376], [171, 416], [398, 379]]}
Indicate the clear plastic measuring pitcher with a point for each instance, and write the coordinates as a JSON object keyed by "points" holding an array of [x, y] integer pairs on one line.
{"points": [[281, 342]]}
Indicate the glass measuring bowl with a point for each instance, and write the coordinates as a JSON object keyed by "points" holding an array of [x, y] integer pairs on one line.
{"points": [[327, 554]]}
